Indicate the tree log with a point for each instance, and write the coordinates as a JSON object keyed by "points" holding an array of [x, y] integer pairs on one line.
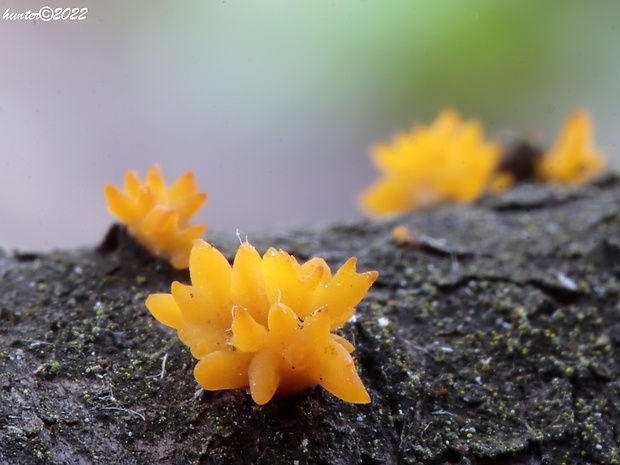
{"points": [[490, 337]]}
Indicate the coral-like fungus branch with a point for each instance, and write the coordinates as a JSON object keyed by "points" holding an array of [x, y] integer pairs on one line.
{"points": [[158, 216], [266, 323], [447, 162], [573, 159]]}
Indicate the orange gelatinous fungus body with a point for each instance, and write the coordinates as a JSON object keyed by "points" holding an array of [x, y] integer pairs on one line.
{"points": [[404, 236], [266, 322], [449, 161], [573, 159], [158, 216]]}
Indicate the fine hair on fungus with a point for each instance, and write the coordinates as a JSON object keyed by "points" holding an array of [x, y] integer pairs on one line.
{"points": [[266, 322]]}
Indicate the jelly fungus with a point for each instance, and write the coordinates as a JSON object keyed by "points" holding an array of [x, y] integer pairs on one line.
{"points": [[158, 216], [573, 159], [266, 323], [448, 161]]}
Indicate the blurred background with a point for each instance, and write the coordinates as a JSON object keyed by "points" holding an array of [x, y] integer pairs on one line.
{"points": [[274, 104]]}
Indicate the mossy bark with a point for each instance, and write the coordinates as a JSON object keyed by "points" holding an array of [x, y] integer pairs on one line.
{"points": [[490, 338]]}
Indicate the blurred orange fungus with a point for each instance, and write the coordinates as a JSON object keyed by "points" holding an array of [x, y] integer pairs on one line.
{"points": [[158, 216], [449, 161], [573, 159]]}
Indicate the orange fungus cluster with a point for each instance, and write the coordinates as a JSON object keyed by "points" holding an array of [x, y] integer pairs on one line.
{"points": [[573, 159], [449, 161], [158, 216], [266, 322]]}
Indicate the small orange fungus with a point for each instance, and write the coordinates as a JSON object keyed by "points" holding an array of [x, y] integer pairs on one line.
{"points": [[157, 216], [573, 159], [266, 323], [404, 236], [448, 161], [501, 182]]}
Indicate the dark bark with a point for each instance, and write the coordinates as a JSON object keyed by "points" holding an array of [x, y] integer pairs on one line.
{"points": [[491, 338]]}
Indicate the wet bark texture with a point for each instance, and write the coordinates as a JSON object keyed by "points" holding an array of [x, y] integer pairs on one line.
{"points": [[491, 337]]}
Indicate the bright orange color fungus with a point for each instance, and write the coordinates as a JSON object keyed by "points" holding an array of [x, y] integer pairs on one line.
{"points": [[573, 159], [447, 162], [266, 323], [157, 216]]}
